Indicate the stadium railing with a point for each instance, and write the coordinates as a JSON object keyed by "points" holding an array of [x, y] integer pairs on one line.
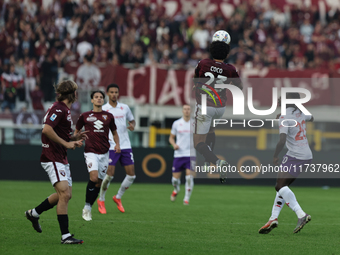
{"points": [[316, 136]]}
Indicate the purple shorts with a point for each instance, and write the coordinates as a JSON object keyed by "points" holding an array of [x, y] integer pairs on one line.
{"points": [[182, 163], [295, 166], [125, 157]]}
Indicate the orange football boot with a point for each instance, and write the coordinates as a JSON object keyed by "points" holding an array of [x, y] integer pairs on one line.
{"points": [[269, 226], [101, 206], [119, 204]]}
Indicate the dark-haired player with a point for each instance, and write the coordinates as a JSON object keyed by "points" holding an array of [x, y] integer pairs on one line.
{"points": [[122, 115], [56, 139], [98, 123], [209, 72], [293, 134]]}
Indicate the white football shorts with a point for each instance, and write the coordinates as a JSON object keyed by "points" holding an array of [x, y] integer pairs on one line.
{"points": [[99, 162], [57, 172], [202, 123]]}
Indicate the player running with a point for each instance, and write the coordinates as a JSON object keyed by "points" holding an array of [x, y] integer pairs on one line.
{"points": [[183, 159], [121, 113], [98, 123], [211, 72], [56, 139], [297, 157]]}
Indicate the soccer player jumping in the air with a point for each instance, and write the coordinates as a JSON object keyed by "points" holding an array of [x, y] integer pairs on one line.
{"points": [[208, 73]]}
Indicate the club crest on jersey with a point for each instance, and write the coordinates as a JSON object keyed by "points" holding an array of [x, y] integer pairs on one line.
{"points": [[105, 117], [91, 119], [62, 172]]}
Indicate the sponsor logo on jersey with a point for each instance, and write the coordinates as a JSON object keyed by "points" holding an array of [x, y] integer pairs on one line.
{"points": [[105, 117], [45, 145], [91, 114], [58, 110], [91, 119], [53, 117], [89, 165], [98, 125], [62, 172]]}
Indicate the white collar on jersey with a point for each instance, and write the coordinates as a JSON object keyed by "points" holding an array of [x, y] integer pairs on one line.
{"points": [[117, 106]]}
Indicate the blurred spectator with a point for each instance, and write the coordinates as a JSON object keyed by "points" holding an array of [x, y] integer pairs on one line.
{"points": [[84, 48], [136, 56], [162, 32], [69, 7], [32, 75], [88, 74], [10, 95], [60, 24], [48, 77], [30, 6], [306, 31], [201, 35], [12, 83], [37, 96], [72, 26]]}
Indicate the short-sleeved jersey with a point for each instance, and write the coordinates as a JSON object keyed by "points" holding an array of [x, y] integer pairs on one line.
{"points": [[58, 116], [184, 138], [99, 125], [209, 72], [296, 142], [122, 114]]}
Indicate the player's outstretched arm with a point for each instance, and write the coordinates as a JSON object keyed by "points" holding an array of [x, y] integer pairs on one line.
{"points": [[52, 135], [279, 148]]}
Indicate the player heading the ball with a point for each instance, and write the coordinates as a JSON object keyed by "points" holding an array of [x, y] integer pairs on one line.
{"points": [[208, 73]]}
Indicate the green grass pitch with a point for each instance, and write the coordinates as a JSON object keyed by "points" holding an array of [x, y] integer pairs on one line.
{"points": [[221, 219]]}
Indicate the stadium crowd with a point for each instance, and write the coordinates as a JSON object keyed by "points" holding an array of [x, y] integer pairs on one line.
{"points": [[36, 41]]}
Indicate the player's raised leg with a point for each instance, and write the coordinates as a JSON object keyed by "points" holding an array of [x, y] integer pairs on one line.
{"points": [[34, 214]]}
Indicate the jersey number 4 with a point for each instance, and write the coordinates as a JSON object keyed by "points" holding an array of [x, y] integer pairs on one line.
{"points": [[301, 135]]}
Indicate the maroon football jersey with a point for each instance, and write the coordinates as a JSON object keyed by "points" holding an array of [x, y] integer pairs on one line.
{"points": [[208, 72], [58, 116], [99, 125]]}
